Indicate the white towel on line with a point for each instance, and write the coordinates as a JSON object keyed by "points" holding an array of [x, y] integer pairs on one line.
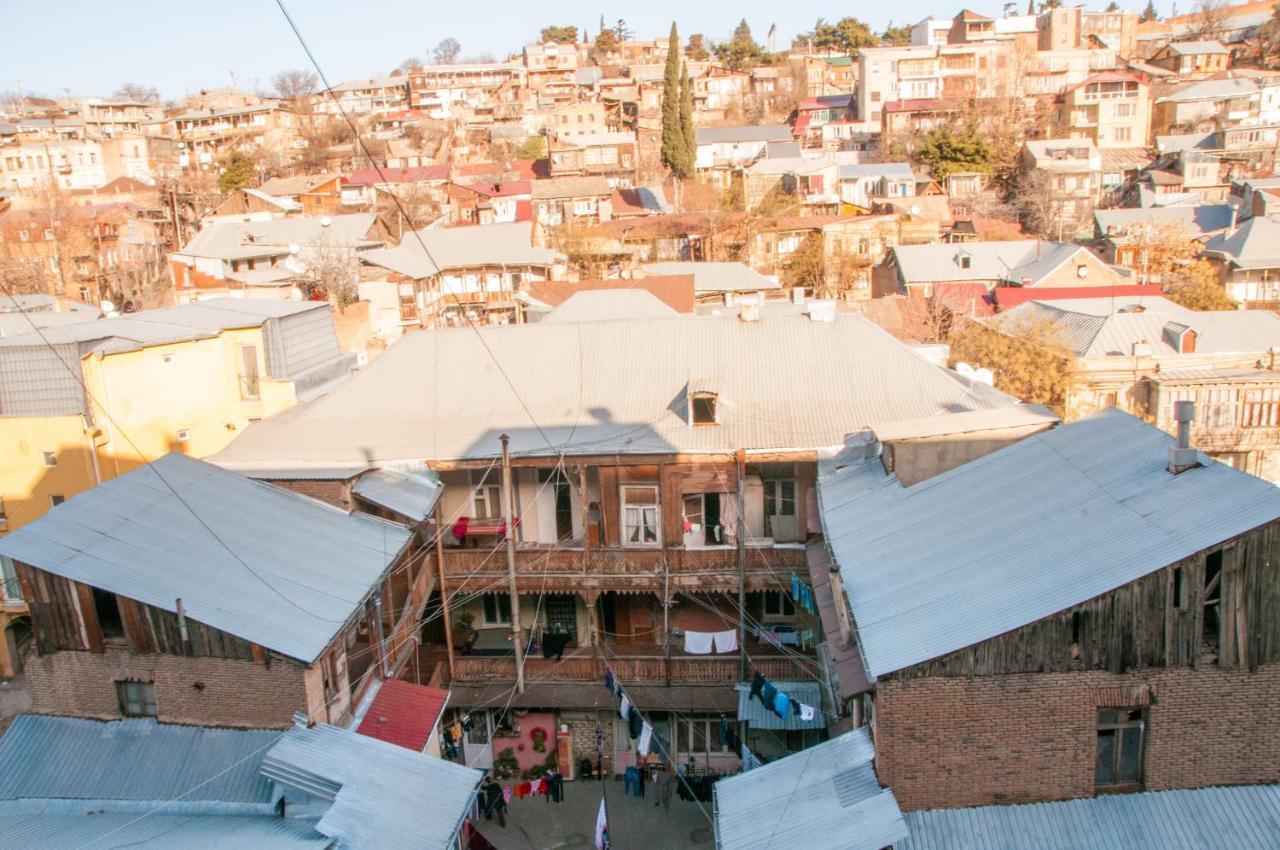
{"points": [[806, 712], [646, 735], [623, 706], [726, 641], [698, 643]]}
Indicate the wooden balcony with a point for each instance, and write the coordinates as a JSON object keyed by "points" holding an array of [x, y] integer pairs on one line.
{"points": [[584, 665], [576, 569]]}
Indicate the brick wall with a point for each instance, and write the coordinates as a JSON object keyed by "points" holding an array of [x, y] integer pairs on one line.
{"points": [[234, 693], [334, 492], [946, 742], [582, 728]]}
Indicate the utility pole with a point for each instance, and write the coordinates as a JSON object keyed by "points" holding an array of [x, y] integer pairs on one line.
{"points": [[508, 509], [444, 591], [742, 560]]}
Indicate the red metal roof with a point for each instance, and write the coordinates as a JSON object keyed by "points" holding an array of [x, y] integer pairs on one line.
{"points": [[1007, 297], [416, 174], [404, 714], [801, 125]]}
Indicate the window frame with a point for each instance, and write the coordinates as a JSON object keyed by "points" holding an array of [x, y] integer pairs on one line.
{"points": [[501, 602], [487, 492], [124, 703], [625, 506], [779, 612], [1119, 727], [704, 399]]}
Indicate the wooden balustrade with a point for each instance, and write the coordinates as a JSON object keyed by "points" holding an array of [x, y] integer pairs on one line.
{"points": [[463, 562], [583, 666]]}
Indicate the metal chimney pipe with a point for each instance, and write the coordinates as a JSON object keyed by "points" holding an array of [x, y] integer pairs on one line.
{"points": [[1181, 456]]}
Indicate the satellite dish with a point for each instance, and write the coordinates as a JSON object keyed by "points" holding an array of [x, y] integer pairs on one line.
{"points": [[915, 209], [107, 307], [294, 248], [325, 221], [966, 370], [985, 376]]}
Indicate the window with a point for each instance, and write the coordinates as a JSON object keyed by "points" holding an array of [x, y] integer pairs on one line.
{"points": [[50, 459], [780, 508], [10, 588], [1123, 134], [1124, 110], [699, 736], [702, 408], [137, 699], [497, 609], [184, 435], [1121, 739], [56, 500], [107, 611], [1211, 602], [966, 261], [640, 515], [486, 497], [1261, 408], [249, 382], [408, 303], [24, 236], [778, 603], [168, 359], [48, 235], [1105, 400]]}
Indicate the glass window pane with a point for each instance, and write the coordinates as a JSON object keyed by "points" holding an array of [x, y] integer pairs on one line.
{"points": [[1130, 754], [1103, 773]]}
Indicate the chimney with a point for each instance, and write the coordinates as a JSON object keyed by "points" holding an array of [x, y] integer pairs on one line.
{"points": [[1231, 228], [1182, 457], [749, 309], [797, 295]]}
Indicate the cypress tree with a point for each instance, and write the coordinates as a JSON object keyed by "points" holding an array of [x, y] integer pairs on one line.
{"points": [[686, 123], [674, 149]]}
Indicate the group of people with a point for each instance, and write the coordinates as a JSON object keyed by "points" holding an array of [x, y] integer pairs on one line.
{"points": [[494, 797]]}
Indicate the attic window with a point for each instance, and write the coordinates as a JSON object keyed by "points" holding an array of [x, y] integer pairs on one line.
{"points": [[965, 261], [167, 359], [702, 408], [184, 434], [50, 459]]}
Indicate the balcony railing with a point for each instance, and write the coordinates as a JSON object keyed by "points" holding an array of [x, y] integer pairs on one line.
{"points": [[585, 666]]}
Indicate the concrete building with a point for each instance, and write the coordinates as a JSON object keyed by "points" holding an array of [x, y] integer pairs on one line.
{"points": [[1111, 110]]}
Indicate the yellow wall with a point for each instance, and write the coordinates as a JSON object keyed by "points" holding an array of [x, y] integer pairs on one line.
{"points": [[150, 401]]}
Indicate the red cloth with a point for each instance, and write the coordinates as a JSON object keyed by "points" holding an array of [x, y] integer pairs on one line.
{"points": [[540, 787], [460, 528], [522, 790]]}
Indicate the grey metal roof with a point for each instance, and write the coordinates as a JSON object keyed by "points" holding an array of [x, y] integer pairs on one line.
{"points": [[602, 305], [1199, 220], [460, 247], [1066, 515], [854, 170], [1212, 90], [312, 565], [236, 239], [1013, 260], [1193, 48], [412, 495], [759, 717], [160, 832], [384, 796], [716, 277], [67, 758], [749, 133], [791, 165], [1245, 817], [824, 798], [1254, 244], [1110, 327], [785, 381]]}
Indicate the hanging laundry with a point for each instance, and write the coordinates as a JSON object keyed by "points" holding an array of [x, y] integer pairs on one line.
{"points": [[807, 712], [757, 686], [724, 731], [795, 587], [795, 706], [806, 598], [646, 737], [781, 705], [624, 707], [635, 723], [749, 759], [698, 643], [539, 786], [726, 641], [523, 790], [608, 680], [602, 828], [768, 694]]}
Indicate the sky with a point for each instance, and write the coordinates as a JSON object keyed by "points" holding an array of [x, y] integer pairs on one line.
{"points": [[88, 48]]}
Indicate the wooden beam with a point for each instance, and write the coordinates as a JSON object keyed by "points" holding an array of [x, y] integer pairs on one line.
{"points": [[89, 616]]}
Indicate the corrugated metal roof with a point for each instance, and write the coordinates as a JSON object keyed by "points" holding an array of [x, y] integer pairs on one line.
{"points": [[459, 247], [1244, 817], [759, 717], [386, 796], [716, 277], [230, 240], [1199, 219], [1255, 244], [160, 832], [66, 758], [824, 798], [603, 305], [404, 714], [412, 495], [784, 382], [1065, 515], [749, 133], [312, 565], [1012, 260]]}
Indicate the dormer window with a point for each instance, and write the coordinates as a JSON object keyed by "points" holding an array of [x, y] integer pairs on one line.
{"points": [[965, 261], [702, 408]]}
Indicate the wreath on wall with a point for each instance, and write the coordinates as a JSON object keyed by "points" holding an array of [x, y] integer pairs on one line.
{"points": [[539, 737]]}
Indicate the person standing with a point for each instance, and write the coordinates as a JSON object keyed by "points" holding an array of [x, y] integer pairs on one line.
{"points": [[661, 787], [493, 801]]}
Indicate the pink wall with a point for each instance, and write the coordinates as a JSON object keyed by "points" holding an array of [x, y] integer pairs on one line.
{"points": [[522, 745]]}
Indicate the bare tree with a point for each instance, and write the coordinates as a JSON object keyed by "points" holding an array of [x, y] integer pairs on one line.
{"points": [[295, 85], [18, 277], [333, 272], [137, 92], [1043, 209], [446, 52], [409, 64], [1210, 20]]}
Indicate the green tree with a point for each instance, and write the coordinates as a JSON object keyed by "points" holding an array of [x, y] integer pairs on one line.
{"points": [[675, 150], [686, 118], [847, 35], [806, 267], [896, 36], [947, 152], [1149, 13], [559, 35], [1113, 6], [238, 170], [740, 51], [534, 147]]}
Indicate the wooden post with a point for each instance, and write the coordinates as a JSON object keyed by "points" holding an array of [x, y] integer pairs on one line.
{"points": [[508, 508], [586, 515], [444, 591], [182, 627], [742, 560]]}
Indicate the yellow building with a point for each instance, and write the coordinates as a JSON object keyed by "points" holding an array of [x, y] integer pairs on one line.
{"points": [[94, 399], [1111, 109]]}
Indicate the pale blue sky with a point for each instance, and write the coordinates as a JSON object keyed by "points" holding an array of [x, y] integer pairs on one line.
{"points": [[180, 46]]}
